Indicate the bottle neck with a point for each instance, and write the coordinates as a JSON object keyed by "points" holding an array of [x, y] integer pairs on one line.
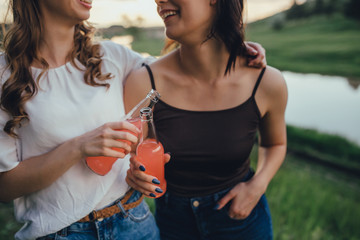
{"points": [[148, 130], [149, 101]]}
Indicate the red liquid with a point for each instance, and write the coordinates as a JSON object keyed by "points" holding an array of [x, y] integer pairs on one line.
{"points": [[151, 154], [102, 165]]}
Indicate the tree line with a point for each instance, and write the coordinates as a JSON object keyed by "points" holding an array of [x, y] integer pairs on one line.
{"points": [[349, 8]]}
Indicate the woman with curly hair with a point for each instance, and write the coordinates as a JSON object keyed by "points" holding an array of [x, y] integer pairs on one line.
{"points": [[61, 101]]}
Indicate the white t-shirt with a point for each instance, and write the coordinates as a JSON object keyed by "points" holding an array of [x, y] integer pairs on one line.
{"points": [[63, 108]]}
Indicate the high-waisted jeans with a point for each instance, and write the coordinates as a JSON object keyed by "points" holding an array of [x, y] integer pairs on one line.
{"points": [[195, 218], [134, 224]]}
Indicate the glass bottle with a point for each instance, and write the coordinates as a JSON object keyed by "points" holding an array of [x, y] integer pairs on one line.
{"points": [[150, 151], [102, 165]]}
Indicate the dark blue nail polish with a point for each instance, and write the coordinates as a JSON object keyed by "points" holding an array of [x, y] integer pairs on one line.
{"points": [[159, 190], [152, 195], [216, 207], [142, 168], [155, 181]]}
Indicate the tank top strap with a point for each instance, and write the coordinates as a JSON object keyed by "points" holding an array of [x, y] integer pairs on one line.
{"points": [[151, 76], [258, 81]]}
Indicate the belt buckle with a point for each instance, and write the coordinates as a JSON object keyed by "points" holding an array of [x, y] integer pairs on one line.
{"points": [[93, 216]]}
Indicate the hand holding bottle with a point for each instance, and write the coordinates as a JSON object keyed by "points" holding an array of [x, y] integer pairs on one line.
{"points": [[138, 178], [103, 140], [150, 151], [101, 164]]}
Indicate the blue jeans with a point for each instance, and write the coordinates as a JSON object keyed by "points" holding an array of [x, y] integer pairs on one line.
{"points": [[134, 224], [195, 218]]}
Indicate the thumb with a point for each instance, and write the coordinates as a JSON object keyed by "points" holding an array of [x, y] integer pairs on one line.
{"points": [[223, 201]]}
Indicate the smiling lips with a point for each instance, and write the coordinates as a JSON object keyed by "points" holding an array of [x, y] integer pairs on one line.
{"points": [[167, 13], [86, 3]]}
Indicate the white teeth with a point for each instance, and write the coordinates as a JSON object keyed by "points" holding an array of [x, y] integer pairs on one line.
{"points": [[86, 1], [169, 13]]}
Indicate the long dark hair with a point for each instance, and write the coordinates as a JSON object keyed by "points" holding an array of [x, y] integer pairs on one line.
{"points": [[229, 27], [21, 45]]}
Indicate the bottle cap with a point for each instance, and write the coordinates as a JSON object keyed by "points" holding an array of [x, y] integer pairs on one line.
{"points": [[154, 95]]}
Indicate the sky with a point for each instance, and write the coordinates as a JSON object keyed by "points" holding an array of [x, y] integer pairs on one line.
{"points": [[111, 12]]}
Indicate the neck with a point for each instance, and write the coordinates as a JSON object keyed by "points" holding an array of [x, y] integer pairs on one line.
{"points": [[57, 42], [205, 61]]}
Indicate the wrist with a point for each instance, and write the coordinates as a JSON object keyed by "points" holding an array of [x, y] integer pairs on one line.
{"points": [[76, 148], [260, 183]]}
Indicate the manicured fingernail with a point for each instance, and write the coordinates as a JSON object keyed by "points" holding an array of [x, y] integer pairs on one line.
{"points": [[152, 195], [159, 190], [216, 207], [142, 168], [155, 181]]}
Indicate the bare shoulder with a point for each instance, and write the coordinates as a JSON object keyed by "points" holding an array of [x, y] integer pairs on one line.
{"points": [[272, 92], [273, 82]]}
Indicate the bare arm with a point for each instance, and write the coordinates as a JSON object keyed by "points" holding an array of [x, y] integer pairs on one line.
{"points": [[272, 149], [136, 87], [39, 172]]}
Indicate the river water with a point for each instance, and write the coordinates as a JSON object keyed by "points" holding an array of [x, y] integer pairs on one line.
{"points": [[328, 104]]}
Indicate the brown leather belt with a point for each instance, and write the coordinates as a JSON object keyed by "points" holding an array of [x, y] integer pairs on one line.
{"points": [[113, 209]]}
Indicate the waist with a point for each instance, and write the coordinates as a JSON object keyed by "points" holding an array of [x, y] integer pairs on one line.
{"points": [[195, 184], [209, 199], [131, 200]]}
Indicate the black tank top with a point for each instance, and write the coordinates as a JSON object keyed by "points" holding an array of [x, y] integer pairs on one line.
{"points": [[209, 149]]}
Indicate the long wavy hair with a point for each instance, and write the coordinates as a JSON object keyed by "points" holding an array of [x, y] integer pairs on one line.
{"points": [[21, 47], [228, 27]]}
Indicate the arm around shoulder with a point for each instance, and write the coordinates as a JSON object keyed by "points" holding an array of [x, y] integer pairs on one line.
{"points": [[136, 87]]}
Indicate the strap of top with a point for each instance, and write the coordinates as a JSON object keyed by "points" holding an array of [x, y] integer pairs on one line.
{"points": [[253, 93], [258, 81], [151, 76]]}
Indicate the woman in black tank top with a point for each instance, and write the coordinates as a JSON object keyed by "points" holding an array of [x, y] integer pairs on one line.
{"points": [[212, 109]]}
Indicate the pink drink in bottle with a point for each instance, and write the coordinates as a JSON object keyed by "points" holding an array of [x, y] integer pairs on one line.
{"points": [[150, 151], [101, 164]]}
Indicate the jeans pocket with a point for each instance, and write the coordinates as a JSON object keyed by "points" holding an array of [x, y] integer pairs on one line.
{"points": [[140, 212], [225, 212]]}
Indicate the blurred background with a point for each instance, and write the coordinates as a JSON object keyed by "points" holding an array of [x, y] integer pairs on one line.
{"points": [[316, 45]]}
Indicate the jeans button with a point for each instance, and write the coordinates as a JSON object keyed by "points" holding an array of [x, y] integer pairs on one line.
{"points": [[196, 203]]}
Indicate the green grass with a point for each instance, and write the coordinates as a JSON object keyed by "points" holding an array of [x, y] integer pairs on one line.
{"points": [[328, 148], [311, 202], [7, 222], [325, 45], [152, 46]]}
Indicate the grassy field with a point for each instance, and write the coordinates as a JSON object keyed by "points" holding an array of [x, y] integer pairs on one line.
{"points": [[329, 149], [311, 202], [325, 45]]}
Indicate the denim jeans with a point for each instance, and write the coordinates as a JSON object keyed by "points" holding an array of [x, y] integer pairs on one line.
{"points": [[195, 218], [134, 224]]}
